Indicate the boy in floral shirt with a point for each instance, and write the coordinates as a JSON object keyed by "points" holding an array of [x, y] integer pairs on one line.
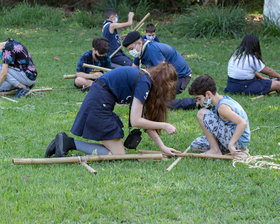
{"points": [[17, 69]]}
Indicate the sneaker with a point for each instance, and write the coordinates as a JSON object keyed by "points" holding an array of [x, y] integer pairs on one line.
{"points": [[50, 149], [23, 91], [63, 144]]}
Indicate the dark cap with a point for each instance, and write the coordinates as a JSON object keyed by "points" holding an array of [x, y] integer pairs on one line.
{"points": [[131, 38]]}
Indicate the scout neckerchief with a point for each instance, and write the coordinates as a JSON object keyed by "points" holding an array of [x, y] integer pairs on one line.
{"points": [[107, 23], [142, 52]]}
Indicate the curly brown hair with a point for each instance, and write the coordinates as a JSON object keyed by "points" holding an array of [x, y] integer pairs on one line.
{"points": [[164, 80]]}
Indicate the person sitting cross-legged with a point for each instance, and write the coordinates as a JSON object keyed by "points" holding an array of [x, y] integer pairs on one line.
{"points": [[97, 56], [18, 70]]}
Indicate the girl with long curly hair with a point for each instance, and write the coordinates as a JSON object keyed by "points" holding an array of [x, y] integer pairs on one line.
{"points": [[97, 121]]}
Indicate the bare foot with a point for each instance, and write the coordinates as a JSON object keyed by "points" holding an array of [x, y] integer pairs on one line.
{"points": [[213, 152]]}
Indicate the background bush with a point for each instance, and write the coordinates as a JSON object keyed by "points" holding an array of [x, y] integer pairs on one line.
{"points": [[211, 21]]}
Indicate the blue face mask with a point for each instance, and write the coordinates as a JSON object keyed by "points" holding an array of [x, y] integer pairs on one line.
{"points": [[1, 54]]}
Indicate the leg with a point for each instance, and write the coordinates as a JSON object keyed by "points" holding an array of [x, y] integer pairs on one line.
{"points": [[275, 85], [200, 144], [185, 104], [115, 146], [91, 148], [80, 82], [122, 59], [214, 146]]}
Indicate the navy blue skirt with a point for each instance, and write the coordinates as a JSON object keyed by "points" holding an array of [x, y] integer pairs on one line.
{"points": [[96, 119], [248, 87]]}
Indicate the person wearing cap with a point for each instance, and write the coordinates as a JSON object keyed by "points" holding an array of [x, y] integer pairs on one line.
{"points": [[151, 54], [18, 70], [110, 31]]}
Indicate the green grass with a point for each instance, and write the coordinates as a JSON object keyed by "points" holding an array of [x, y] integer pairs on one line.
{"points": [[195, 191]]}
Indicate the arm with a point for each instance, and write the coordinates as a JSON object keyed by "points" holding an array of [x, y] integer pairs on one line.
{"points": [[4, 73], [138, 121], [226, 113], [129, 22], [86, 75], [259, 76], [155, 137], [270, 72]]}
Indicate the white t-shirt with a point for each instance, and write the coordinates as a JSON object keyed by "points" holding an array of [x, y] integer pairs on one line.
{"points": [[244, 69]]}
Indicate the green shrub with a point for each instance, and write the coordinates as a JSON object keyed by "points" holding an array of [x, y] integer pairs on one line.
{"points": [[24, 15], [269, 28], [123, 7], [86, 19], [211, 21]]}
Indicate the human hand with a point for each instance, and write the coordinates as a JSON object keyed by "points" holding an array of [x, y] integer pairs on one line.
{"points": [[170, 129], [236, 153], [170, 151], [130, 15]]}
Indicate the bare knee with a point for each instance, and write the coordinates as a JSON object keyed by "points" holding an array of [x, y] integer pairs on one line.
{"points": [[80, 82], [115, 146], [275, 85]]}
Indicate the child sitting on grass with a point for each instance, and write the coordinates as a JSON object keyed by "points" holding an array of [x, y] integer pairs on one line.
{"points": [[150, 32], [97, 56], [244, 69], [226, 126]]}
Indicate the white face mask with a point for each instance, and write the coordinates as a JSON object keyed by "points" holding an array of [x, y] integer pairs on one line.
{"points": [[150, 37], [115, 20], [207, 103], [134, 53]]}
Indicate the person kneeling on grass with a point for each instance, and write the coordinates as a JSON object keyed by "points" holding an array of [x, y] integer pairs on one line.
{"points": [[97, 121], [244, 69], [18, 70], [97, 56], [226, 127]]}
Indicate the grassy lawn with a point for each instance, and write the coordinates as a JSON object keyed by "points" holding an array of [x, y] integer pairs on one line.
{"points": [[195, 191]]}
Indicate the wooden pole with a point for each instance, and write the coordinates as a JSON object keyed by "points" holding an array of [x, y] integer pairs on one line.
{"points": [[90, 169], [261, 96], [12, 92], [177, 161], [137, 27], [196, 155], [97, 67], [11, 100], [70, 76], [78, 159]]}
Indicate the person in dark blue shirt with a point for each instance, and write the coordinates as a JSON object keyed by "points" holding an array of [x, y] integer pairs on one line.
{"points": [[97, 121], [151, 54], [97, 56], [150, 33], [110, 31]]}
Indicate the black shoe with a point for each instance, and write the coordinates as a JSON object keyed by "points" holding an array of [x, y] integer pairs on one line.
{"points": [[63, 144], [50, 149], [22, 91]]}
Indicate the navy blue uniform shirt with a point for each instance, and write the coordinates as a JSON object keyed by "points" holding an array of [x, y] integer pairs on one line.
{"points": [[155, 53]]}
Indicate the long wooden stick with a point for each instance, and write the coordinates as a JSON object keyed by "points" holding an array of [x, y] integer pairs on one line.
{"points": [[137, 27], [177, 160], [261, 96], [142, 21], [6, 98], [89, 168], [97, 67], [69, 76], [78, 159], [196, 155], [12, 92]]}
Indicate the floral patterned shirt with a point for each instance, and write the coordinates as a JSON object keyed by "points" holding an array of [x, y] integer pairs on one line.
{"points": [[16, 55]]}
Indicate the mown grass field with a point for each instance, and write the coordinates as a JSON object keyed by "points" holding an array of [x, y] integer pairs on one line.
{"points": [[195, 191]]}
